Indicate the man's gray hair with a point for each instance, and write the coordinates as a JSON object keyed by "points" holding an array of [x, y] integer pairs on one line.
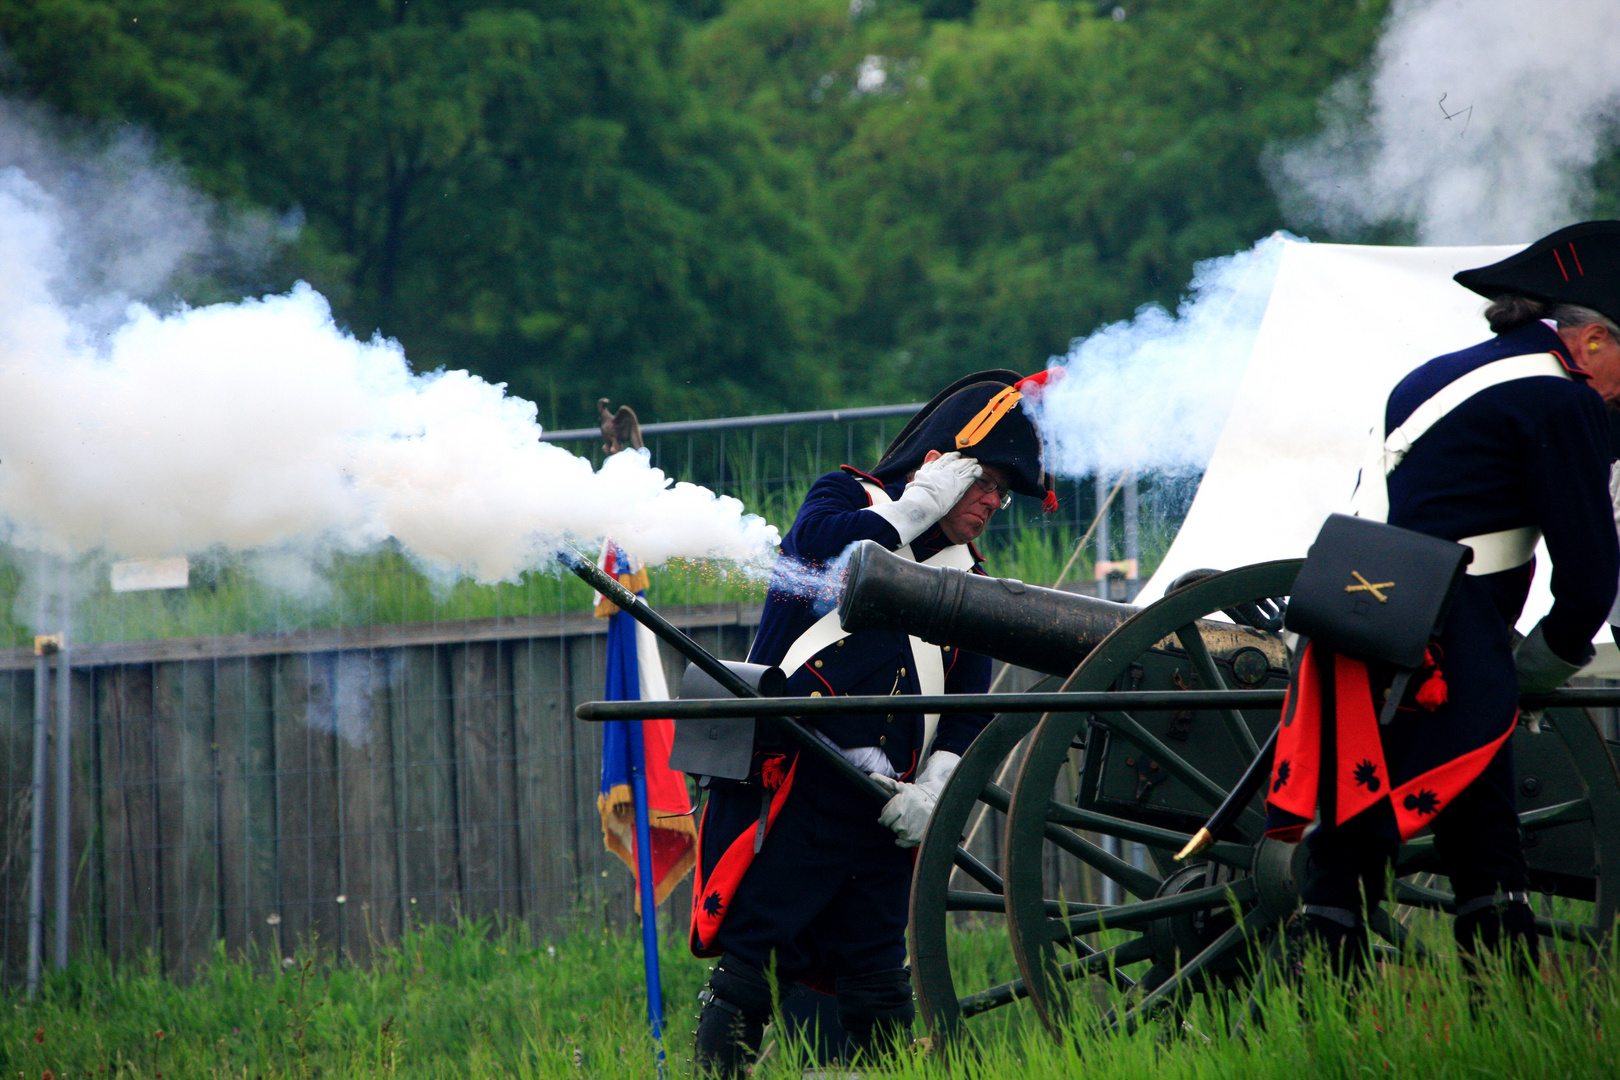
{"points": [[1570, 316]]}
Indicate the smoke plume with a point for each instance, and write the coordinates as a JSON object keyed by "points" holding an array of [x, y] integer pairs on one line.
{"points": [[1151, 395], [261, 427], [1478, 123], [1475, 123]]}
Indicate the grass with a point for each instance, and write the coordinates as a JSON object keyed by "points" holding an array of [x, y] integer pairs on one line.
{"points": [[381, 588], [448, 1001], [464, 1001]]}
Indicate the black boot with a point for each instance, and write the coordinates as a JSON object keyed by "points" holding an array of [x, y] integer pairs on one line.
{"points": [[1501, 922], [1343, 937], [736, 1005], [876, 1012]]}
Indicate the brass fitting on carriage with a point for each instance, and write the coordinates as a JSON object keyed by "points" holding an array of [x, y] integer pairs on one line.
{"points": [[1201, 840]]}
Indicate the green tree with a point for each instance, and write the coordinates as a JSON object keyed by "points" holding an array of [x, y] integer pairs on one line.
{"points": [[522, 189], [1073, 167], [716, 206], [197, 73], [525, 190]]}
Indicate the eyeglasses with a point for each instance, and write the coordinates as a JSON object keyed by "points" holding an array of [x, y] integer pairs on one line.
{"points": [[985, 486]]}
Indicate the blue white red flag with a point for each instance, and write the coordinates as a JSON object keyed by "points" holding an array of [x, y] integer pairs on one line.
{"points": [[635, 673]]}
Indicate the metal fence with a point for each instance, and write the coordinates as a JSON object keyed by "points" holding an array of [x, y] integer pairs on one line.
{"points": [[343, 785], [770, 461]]}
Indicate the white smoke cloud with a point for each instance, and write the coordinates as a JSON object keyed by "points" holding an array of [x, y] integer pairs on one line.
{"points": [[339, 689], [1151, 395], [261, 427], [1478, 123], [135, 226]]}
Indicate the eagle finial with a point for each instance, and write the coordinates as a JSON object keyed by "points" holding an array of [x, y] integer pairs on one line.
{"points": [[619, 429]]}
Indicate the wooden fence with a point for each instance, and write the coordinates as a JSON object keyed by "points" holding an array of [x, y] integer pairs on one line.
{"points": [[262, 790]]}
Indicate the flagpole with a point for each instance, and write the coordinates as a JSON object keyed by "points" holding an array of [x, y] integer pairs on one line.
{"points": [[644, 878]]}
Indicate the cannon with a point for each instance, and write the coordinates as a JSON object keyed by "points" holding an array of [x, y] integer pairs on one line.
{"points": [[1099, 751]]}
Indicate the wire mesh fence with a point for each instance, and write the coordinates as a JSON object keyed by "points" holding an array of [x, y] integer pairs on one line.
{"points": [[770, 462], [255, 766]]}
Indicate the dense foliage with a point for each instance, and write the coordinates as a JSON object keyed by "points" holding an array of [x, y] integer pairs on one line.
{"points": [[716, 206]]}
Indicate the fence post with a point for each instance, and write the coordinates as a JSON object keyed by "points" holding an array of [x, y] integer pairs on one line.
{"points": [[43, 647], [64, 780]]}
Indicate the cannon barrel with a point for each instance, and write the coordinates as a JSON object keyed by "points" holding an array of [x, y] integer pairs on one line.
{"points": [[1043, 629]]}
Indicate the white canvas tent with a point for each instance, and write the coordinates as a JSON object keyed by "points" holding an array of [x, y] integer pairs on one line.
{"points": [[1344, 323]]}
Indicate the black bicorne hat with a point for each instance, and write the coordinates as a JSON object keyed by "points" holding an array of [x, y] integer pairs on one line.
{"points": [[978, 415], [1579, 264]]}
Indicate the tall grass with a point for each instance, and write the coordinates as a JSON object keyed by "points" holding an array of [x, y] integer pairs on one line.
{"points": [[463, 1001], [447, 1001], [377, 589]]}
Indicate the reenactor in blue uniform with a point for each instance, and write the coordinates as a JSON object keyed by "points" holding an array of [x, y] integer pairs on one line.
{"points": [[1493, 447], [800, 877]]}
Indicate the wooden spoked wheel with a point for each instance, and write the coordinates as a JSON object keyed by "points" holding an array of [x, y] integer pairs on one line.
{"points": [[973, 790], [1152, 779]]}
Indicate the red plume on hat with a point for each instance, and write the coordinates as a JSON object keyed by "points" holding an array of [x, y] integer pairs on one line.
{"points": [[1033, 386], [979, 416]]}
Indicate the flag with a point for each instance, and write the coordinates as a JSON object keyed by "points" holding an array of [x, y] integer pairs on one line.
{"points": [[635, 673]]}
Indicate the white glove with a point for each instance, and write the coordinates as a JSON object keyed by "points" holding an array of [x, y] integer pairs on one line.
{"points": [[1541, 670], [907, 813], [936, 487]]}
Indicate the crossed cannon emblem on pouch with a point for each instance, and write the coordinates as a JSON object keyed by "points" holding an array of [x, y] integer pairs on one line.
{"points": [[1376, 588]]}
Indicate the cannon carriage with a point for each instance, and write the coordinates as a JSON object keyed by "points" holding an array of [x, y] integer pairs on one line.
{"points": [[1146, 722], [1113, 769]]}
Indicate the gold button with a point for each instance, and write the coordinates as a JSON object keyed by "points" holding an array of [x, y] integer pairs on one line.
{"points": [[815, 693], [902, 672], [888, 719], [839, 643], [818, 663], [882, 739]]}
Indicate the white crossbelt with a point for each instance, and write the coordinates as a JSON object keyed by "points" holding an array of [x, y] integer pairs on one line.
{"points": [[927, 659], [1493, 552], [1614, 500]]}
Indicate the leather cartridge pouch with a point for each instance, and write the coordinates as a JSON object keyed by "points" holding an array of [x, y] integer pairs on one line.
{"points": [[1376, 592], [720, 747]]}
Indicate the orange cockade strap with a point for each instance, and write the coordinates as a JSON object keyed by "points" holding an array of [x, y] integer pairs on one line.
{"points": [[977, 428]]}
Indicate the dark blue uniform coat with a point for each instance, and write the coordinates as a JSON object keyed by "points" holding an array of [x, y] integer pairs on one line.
{"points": [[1528, 452], [827, 891]]}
